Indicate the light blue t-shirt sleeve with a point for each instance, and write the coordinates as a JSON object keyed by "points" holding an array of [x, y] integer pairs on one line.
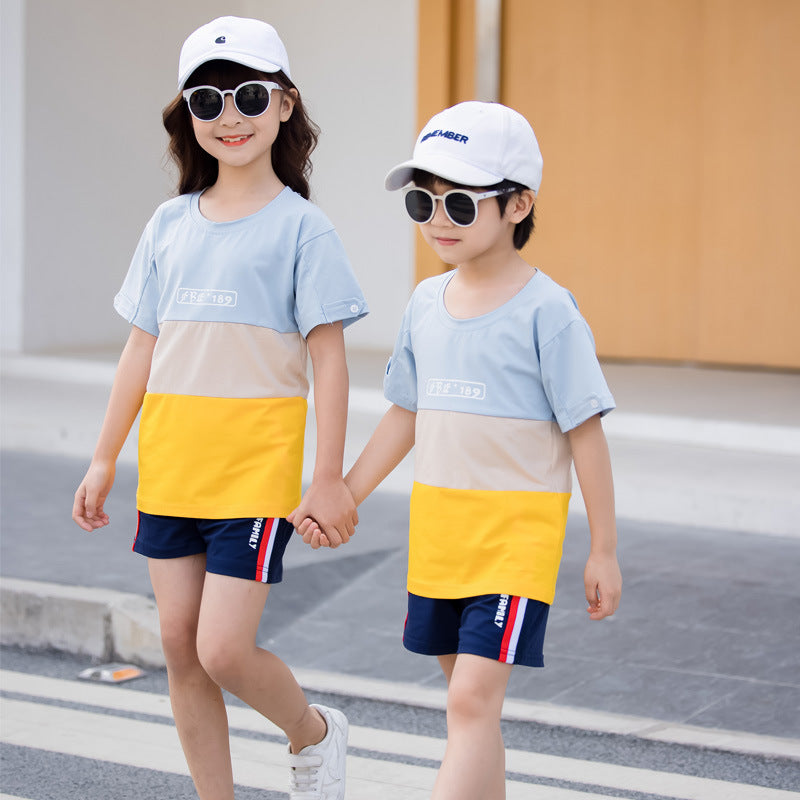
{"points": [[400, 380], [326, 290], [572, 377], [137, 300]]}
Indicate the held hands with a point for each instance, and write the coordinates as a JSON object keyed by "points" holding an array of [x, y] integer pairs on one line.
{"points": [[603, 583], [327, 515], [312, 534], [87, 510]]}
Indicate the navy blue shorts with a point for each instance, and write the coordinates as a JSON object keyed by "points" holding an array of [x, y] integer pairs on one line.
{"points": [[497, 626], [242, 548]]}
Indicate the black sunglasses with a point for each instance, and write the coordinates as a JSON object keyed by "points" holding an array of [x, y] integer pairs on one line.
{"points": [[460, 205], [251, 99]]}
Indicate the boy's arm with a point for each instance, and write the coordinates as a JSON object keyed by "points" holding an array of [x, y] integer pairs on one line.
{"points": [[328, 500], [387, 447], [602, 578], [127, 392]]}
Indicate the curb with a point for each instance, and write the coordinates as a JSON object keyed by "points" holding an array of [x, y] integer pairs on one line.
{"points": [[109, 625], [100, 623]]}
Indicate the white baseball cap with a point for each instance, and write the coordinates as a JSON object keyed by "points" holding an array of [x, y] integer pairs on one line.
{"points": [[474, 144], [251, 42]]}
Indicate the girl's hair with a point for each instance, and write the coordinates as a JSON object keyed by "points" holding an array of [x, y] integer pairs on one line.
{"points": [[291, 152], [522, 230]]}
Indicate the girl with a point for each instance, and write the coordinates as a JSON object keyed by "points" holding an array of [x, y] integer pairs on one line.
{"points": [[232, 283]]}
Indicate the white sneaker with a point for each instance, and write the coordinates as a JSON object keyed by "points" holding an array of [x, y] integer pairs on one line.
{"points": [[317, 772]]}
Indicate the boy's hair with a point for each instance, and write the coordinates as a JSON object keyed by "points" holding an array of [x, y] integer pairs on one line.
{"points": [[522, 230], [291, 151]]}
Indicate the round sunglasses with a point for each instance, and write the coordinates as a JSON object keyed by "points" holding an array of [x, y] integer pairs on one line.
{"points": [[460, 205], [251, 99]]}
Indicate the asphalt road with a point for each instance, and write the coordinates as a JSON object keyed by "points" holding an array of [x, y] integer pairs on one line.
{"points": [[706, 634]]}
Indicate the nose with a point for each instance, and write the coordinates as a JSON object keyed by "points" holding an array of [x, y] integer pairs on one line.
{"points": [[230, 113], [439, 216]]}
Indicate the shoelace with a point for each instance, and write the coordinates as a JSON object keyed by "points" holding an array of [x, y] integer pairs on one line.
{"points": [[303, 776]]}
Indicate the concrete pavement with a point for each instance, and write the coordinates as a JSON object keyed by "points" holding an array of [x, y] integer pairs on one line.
{"points": [[703, 650]]}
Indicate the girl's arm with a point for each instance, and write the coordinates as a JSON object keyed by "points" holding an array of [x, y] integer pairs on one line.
{"points": [[387, 447], [127, 392], [328, 500], [602, 578]]}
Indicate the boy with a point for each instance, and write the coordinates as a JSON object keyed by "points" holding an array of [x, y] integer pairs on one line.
{"points": [[494, 378]]}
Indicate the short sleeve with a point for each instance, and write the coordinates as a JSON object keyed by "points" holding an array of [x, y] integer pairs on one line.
{"points": [[326, 290], [400, 380], [137, 300], [572, 377]]}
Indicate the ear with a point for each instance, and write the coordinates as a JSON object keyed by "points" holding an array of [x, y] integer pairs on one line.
{"points": [[288, 99], [519, 205]]}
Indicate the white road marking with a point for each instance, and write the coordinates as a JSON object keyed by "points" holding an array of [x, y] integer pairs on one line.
{"points": [[262, 764], [257, 764]]}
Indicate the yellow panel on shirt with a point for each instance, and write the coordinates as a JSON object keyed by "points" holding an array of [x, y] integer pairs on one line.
{"points": [[501, 484], [223, 422], [223, 458]]}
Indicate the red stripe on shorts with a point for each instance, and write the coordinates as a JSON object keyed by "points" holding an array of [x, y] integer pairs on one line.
{"points": [[138, 525], [511, 618], [263, 549]]}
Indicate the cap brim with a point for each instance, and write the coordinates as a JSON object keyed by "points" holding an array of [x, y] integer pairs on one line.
{"points": [[248, 60], [452, 170]]}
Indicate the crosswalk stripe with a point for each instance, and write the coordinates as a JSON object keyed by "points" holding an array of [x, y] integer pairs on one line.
{"points": [[257, 764], [666, 784]]}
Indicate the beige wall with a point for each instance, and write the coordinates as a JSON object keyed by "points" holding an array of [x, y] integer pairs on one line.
{"points": [[669, 131]]}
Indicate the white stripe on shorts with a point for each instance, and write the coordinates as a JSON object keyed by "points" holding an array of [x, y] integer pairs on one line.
{"points": [[516, 630], [270, 546]]}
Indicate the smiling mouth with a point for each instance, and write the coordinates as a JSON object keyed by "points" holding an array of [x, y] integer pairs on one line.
{"points": [[233, 141]]}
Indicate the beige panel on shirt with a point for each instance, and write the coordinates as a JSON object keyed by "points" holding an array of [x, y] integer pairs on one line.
{"points": [[469, 451], [226, 359]]}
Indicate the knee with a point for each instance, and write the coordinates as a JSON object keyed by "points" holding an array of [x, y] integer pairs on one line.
{"points": [[179, 642], [467, 700], [222, 660]]}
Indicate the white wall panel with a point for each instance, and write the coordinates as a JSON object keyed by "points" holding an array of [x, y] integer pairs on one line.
{"points": [[94, 165], [355, 63], [12, 149]]}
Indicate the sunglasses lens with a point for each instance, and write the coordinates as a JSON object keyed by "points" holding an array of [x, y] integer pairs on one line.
{"points": [[205, 104], [419, 205], [252, 99], [460, 208]]}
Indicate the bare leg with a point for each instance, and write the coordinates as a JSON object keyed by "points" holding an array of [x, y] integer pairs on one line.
{"points": [[474, 762], [197, 703], [226, 642]]}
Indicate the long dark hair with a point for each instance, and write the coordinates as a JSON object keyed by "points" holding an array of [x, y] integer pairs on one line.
{"points": [[291, 152]]}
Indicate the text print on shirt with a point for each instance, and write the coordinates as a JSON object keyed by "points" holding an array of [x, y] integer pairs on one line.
{"points": [[207, 297], [446, 387]]}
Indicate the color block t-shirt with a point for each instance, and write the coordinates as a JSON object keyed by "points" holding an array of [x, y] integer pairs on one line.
{"points": [[223, 420], [494, 397]]}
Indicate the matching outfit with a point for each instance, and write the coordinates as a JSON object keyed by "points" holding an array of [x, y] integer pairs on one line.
{"points": [[494, 397], [223, 419]]}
